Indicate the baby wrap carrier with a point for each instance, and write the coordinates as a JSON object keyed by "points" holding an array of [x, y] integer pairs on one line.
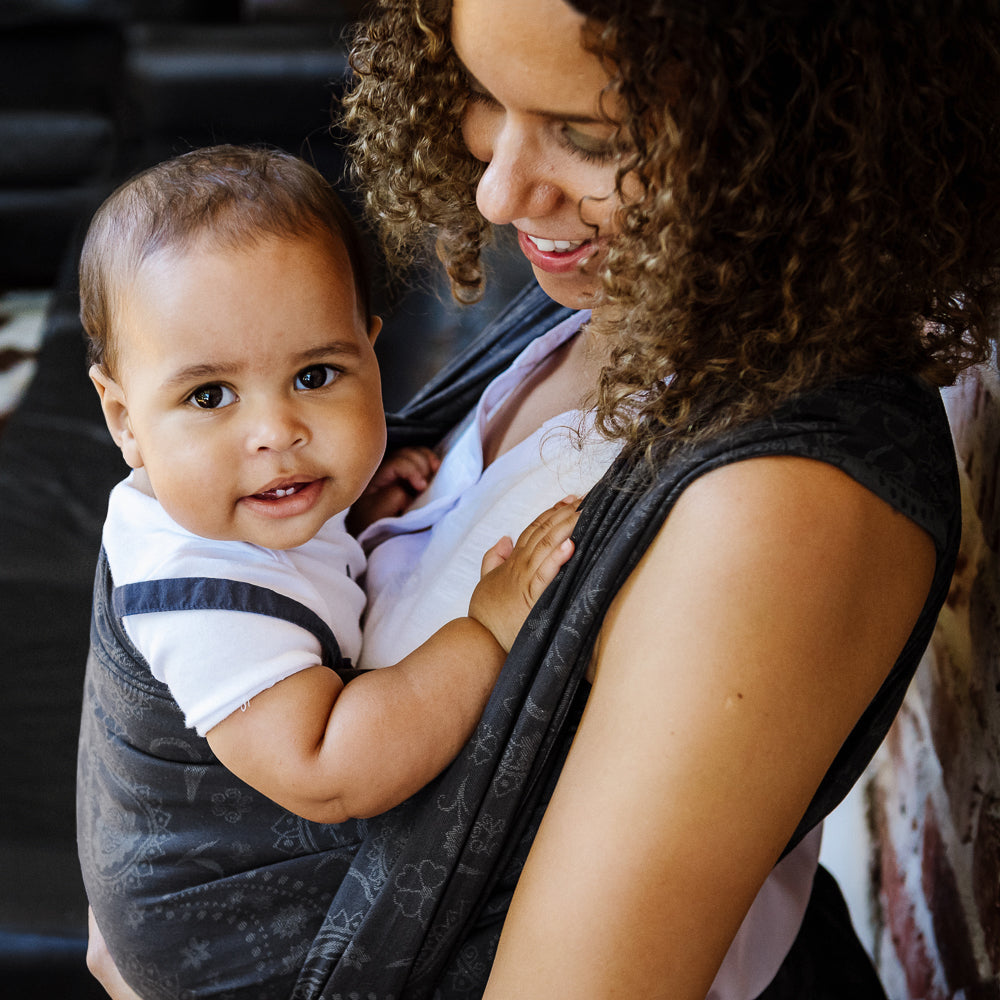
{"points": [[410, 904]]}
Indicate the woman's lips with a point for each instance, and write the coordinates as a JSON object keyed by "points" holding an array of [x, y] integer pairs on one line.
{"points": [[556, 256]]}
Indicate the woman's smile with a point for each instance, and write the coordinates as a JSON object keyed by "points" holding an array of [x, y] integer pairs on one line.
{"points": [[556, 256]]}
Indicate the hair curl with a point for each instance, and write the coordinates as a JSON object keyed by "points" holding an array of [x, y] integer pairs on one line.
{"points": [[818, 191], [417, 178]]}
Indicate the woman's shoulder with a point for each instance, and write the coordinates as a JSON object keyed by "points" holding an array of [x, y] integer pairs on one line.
{"points": [[775, 524], [888, 433]]}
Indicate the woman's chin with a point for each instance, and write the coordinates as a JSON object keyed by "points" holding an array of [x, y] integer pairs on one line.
{"points": [[575, 290]]}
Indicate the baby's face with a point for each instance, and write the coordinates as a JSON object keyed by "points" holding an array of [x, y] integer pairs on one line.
{"points": [[251, 398]]}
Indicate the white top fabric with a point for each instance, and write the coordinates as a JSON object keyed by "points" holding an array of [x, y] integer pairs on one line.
{"points": [[423, 567], [215, 661]]}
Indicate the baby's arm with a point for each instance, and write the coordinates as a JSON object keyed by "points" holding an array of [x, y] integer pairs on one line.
{"points": [[330, 753], [403, 474]]}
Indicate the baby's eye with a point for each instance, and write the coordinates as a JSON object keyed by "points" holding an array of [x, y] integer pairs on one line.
{"points": [[212, 397], [315, 376]]}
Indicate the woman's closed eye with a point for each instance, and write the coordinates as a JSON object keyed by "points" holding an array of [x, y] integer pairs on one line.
{"points": [[212, 397], [576, 139], [592, 148], [476, 95], [316, 377]]}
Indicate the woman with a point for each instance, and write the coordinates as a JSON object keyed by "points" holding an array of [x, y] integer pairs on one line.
{"points": [[784, 219]]}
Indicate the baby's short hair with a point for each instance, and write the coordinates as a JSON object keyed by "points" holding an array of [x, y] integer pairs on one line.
{"points": [[229, 195]]}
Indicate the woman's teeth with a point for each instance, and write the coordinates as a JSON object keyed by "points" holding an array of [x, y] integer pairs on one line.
{"points": [[285, 493], [555, 246]]}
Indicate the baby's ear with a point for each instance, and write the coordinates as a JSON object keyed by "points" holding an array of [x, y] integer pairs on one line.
{"points": [[115, 407]]}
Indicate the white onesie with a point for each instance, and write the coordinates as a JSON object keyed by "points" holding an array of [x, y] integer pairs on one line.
{"points": [[215, 661]]}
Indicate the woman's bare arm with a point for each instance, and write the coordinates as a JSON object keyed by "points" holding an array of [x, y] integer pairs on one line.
{"points": [[732, 665]]}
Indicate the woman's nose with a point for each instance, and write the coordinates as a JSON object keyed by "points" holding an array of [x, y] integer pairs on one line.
{"points": [[514, 185]]}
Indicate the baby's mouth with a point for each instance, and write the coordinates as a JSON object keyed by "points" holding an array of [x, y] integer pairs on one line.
{"points": [[280, 492]]}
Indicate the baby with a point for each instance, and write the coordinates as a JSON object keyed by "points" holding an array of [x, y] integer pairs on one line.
{"points": [[223, 759]]}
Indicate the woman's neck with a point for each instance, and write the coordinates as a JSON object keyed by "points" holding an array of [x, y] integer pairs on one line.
{"points": [[564, 381]]}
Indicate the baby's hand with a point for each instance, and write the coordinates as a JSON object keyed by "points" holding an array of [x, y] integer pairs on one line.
{"points": [[514, 576], [403, 474]]}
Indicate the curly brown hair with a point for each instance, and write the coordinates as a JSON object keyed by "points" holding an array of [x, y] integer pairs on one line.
{"points": [[818, 191]]}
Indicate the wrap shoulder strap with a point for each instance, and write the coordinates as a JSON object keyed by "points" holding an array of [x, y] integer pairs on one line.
{"points": [[196, 593]]}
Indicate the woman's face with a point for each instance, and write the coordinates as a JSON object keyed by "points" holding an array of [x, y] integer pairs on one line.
{"points": [[535, 117]]}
